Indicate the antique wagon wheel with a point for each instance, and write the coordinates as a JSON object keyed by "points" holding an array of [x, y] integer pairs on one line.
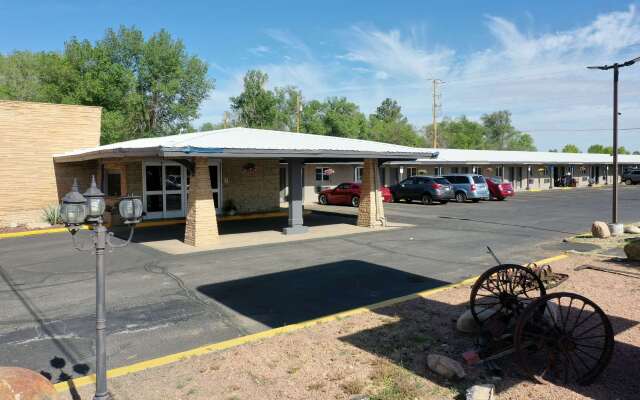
{"points": [[563, 337], [504, 290]]}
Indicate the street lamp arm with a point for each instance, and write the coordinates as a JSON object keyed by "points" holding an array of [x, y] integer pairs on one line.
{"points": [[114, 245], [79, 245]]}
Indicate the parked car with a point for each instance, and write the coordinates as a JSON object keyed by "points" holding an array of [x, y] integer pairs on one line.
{"points": [[427, 189], [631, 176], [499, 188], [566, 181], [469, 187], [348, 193]]}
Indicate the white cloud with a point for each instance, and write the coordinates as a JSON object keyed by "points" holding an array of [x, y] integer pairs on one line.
{"points": [[259, 50], [540, 77]]}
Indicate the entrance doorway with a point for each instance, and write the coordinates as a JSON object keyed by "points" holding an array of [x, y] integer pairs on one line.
{"points": [[164, 191]]}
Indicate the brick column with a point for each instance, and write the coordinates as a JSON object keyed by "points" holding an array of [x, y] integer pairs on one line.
{"points": [[201, 224], [371, 211]]}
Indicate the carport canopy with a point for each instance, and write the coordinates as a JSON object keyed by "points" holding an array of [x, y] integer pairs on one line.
{"points": [[293, 148]]}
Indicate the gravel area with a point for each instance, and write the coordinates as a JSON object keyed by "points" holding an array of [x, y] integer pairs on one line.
{"points": [[383, 354]]}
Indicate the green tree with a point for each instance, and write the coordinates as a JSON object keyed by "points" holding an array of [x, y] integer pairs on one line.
{"points": [[313, 118], [208, 126], [343, 118], [256, 106], [460, 133], [389, 125], [287, 100], [570, 148], [501, 135], [26, 76], [597, 149]]}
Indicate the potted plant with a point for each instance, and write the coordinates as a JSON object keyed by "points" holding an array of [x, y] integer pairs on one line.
{"points": [[229, 208]]}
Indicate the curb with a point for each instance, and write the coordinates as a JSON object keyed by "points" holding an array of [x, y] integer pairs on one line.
{"points": [[149, 224], [227, 344]]}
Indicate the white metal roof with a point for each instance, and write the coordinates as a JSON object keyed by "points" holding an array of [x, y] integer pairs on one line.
{"points": [[245, 142], [460, 156]]}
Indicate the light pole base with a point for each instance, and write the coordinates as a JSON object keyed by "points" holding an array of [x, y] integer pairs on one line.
{"points": [[616, 229], [102, 397]]}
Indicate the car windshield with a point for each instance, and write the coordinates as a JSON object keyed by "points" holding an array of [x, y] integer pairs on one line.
{"points": [[442, 181], [479, 179]]}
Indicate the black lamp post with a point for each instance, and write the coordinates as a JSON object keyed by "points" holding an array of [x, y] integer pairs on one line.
{"points": [[615, 67], [77, 209]]}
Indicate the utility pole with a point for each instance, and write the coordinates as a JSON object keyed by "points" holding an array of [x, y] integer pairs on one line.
{"points": [[225, 116], [436, 105], [298, 112], [615, 67]]}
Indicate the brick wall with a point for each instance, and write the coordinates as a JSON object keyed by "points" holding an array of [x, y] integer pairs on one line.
{"points": [[251, 193], [30, 133]]}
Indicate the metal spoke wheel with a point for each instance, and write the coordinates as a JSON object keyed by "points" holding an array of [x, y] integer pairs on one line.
{"points": [[504, 291], [355, 201], [323, 199], [565, 338]]}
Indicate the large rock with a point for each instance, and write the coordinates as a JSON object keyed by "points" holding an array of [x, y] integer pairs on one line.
{"points": [[24, 384], [632, 229], [632, 250], [446, 367], [600, 230], [467, 324], [480, 392]]}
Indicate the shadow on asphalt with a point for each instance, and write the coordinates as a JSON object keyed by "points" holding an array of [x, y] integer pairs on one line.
{"points": [[493, 222], [176, 232], [288, 297], [426, 326]]}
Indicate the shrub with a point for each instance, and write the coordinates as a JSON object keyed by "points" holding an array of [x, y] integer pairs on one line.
{"points": [[51, 214]]}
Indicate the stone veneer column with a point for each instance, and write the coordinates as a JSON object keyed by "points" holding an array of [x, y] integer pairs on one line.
{"points": [[371, 211], [201, 223]]}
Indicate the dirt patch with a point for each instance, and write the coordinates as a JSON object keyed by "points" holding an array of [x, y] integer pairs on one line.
{"points": [[383, 354]]}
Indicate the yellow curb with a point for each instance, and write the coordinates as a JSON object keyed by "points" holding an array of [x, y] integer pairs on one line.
{"points": [[203, 350], [148, 224], [36, 232], [534, 190]]}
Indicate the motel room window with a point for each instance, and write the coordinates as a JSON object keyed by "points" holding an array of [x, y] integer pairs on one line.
{"points": [[465, 170], [113, 184], [321, 175], [412, 171], [499, 171], [454, 170], [358, 174]]}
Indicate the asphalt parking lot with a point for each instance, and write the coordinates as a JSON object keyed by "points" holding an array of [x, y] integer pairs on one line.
{"points": [[160, 304]]}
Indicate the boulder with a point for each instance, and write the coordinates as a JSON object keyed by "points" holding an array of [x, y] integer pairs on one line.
{"points": [[24, 384], [445, 366], [600, 230], [467, 324], [480, 392], [632, 250], [632, 229]]}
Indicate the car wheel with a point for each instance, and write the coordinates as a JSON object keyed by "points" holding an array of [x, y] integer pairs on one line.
{"points": [[355, 201], [475, 200], [395, 198], [323, 199], [461, 197], [426, 199], [628, 182], [502, 198]]}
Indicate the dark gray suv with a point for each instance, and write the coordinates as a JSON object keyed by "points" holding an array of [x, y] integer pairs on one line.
{"points": [[631, 176], [427, 189]]}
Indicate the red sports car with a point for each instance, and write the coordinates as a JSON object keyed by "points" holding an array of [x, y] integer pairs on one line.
{"points": [[348, 193], [499, 188]]}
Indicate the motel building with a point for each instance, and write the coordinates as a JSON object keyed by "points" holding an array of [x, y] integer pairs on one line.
{"points": [[199, 178]]}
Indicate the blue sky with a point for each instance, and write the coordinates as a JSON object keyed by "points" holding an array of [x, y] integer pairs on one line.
{"points": [[527, 57]]}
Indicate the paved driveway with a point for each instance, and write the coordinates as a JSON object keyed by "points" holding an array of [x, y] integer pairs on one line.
{"points": [[161, 304]]}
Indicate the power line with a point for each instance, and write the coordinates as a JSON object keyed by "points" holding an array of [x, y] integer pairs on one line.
{"points": [[577, 130]]}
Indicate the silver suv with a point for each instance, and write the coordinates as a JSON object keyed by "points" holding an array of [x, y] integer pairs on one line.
{"points": [[469, 187]]}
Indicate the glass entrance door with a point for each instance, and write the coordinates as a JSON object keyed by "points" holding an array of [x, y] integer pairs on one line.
{"points": [[164, 191]]}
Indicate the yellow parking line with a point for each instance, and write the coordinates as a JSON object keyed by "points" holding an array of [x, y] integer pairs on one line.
{"points": [[199, 351]]}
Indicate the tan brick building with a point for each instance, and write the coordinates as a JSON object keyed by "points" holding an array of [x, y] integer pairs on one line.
{"points": [[30, 133]]}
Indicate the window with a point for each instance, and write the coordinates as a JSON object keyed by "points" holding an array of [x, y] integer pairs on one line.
{"points": [[479, 179], [454, 170], [477, 170], [358, 174], [465, 170], [500, 171], [412, 171], [344, 186], [322, 175], [113, 184]]}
